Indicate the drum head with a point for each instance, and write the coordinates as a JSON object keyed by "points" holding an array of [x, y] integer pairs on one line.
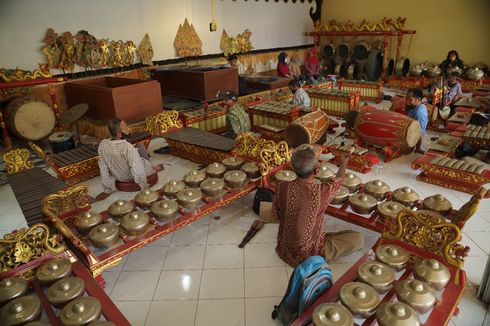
{"points": [[34, 120], [414, 133], [350, 119], [296, 135], [60, 136]]}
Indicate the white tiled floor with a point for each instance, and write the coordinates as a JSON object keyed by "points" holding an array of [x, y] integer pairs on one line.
{"points": [[198, 275]]}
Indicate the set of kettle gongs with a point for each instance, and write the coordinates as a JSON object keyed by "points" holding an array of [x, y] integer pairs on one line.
{"points": [[363, 60]]}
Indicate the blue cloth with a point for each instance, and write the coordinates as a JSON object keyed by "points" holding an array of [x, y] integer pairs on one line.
{"points": [[421, 114]]}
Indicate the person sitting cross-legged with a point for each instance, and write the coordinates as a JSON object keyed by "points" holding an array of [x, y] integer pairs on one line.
{"points": [[120, 160]]}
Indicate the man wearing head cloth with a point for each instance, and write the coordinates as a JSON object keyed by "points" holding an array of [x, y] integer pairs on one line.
{"points": [[237, 120], [299, 207]]}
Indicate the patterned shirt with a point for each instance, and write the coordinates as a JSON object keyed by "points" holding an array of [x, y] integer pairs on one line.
{"points": [[119, 160], [301, 98], [237, 121], [299, 207]]}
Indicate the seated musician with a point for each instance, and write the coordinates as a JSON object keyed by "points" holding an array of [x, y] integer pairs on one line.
{"points": [[242, 82], [294, 69], [282, 65], [301, 97], [452, 61], [299, 208], [120, 160], [312, 65], [418, 111], [237, 120]]}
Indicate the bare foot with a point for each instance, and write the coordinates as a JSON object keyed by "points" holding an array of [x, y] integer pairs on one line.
{"points": [[159, 167], [102, 196]]}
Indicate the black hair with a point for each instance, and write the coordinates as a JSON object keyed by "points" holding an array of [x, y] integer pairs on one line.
{"points": [[232, 57], [304, 162], [114, 126], [455, 74], [294, 83], [282, 57], [416, 92], [453, 52]]}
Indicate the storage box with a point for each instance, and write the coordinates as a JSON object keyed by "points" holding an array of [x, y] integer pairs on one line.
{"points": [[130, 100], [201, 85]]}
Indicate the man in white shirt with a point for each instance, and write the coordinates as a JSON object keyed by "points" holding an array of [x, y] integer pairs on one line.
{"points": [[120, 160], [301, 97]]}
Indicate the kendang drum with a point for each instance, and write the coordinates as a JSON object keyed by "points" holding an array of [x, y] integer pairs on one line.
{"points": [[308, 129], [30, 118], [61, 141], [385, 129]]}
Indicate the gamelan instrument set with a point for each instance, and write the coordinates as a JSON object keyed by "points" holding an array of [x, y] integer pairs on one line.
{"points": [[53, 288], [370, 91], [210, 118], [375, 206], [402, 280], [334, 102], [103, 238]]}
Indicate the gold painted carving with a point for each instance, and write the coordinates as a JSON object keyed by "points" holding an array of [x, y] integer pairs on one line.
{"points": [[425, 231], [385, 25], [162, 122], [27, 244], [12, 75], [455, 174], [271, 154], [187, 43], [18, 159], [145, 51], [238, 44], [67, 200], [80, 168], [470, 208]]}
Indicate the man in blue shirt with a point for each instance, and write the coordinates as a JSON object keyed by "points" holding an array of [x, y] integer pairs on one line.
{"points": [[417, 111]]}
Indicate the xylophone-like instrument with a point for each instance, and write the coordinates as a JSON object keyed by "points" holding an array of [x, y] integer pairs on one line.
{"points": [[451, 173], [273, 113], [476, 136], [212, 118], [334, 102], [370, 91]]}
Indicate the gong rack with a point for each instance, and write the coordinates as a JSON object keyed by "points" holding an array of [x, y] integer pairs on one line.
{"points": [[440, 314], [369, 221], [97, 259], [385, 35], [49, 312]]}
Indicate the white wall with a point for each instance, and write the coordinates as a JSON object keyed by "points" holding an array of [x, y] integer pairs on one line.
{"points": [[23, 24]]}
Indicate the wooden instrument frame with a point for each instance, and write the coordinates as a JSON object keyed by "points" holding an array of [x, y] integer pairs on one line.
{"points": [[414, 233], [366, 89], [27, 271], [424, 82], [352, 100], [360, 163], [203, 121], [447, 177]]}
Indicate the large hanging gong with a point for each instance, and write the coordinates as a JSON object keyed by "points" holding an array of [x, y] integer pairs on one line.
{"points": [[374, 66]]}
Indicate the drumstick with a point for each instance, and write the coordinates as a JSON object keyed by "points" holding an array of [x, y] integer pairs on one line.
{"points": [[256, 226]]}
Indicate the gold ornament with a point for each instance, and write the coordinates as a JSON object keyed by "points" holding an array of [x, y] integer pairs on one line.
{"points": [[145, 51], [18, 159], [427, 232], [385, 25], [187, 43], [26, 244], [161, 122], [239, 44], [11, 75]]}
